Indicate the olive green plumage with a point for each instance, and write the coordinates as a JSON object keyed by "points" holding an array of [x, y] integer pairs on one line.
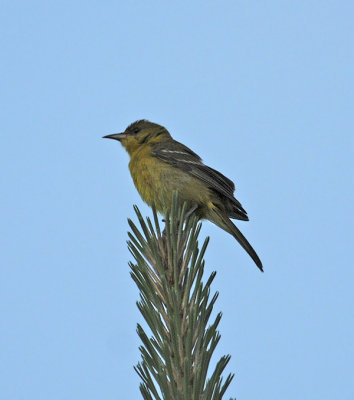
{"points": [[160, 165]]}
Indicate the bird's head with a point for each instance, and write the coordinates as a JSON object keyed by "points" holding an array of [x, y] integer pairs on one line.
{"points": [[139, 133]]}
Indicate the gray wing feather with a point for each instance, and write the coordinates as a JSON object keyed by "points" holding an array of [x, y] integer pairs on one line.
{"points": [[180, 156]]}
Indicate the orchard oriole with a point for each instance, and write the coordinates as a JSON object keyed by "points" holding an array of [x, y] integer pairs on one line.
{"points": [[160, 165]]}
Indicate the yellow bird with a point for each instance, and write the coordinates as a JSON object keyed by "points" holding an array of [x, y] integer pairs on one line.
{"points": [[160, 165]]}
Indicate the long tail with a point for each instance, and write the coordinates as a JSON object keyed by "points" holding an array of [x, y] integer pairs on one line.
{"points": [[226, 224]]}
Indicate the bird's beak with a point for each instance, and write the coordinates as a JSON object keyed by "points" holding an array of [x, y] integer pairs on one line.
{"points": [[116, 136]]}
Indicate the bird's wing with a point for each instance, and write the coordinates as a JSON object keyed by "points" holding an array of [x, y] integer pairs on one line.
{"points": [[180, 156]]}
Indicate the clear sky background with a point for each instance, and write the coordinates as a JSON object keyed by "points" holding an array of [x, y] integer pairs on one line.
{"points": [[263, 91]]}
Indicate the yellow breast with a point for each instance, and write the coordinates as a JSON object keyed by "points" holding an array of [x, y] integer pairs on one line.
{"points": [[146, 172], [156, 181]]}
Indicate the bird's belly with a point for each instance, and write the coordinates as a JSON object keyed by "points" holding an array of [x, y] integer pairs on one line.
{"points": [[156, 182]]}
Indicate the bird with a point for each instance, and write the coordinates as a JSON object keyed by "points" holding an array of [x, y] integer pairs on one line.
{"points": [[160, 165]]}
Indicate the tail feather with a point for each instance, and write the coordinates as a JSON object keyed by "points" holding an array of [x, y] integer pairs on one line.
{"points": [[228, 226]]}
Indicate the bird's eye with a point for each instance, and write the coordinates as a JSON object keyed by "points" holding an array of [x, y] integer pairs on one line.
{"points": [[136, 130]]}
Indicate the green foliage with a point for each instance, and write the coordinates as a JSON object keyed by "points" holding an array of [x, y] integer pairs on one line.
{"points": [[176, 305]]}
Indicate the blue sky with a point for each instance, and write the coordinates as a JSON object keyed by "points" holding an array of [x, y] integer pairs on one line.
{"points": [[262, 91]]}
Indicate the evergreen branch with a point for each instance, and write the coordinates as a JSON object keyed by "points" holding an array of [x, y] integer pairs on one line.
{"points": [[176, 306]]}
